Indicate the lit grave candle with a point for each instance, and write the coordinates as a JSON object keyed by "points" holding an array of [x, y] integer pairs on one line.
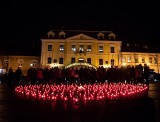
{"points": [[75, 93]]}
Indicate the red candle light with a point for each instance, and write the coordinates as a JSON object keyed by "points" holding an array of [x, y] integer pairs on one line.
{"points": [[84, 92]]}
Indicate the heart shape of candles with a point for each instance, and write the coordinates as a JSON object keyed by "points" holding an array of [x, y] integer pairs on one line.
{"points": [[86, 92]]}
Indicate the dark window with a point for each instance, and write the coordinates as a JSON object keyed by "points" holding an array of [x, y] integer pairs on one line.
{"points": [[49, 60], [143, 60], [112, 50], [101, 37], [60, 60], [100, 61], [150, 59], [136, 60], [49, 47], [112, 62], [73, 60], [89, 60], [50, 35], [55, 60]]}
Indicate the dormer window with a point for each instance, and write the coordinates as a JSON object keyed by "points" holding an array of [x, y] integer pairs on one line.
{"points": [[136, 45], [62, 34], [145, 46], [127, 44], [100, 35], [112, 36], [51, 34]]}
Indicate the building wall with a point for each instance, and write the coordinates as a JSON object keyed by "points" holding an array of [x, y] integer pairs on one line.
{"points": [[151, 59], [24, 62], [68, 53], [118, 56]]}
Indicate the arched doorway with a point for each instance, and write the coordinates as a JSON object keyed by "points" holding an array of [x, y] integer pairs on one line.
{"points": [[80, 64]]}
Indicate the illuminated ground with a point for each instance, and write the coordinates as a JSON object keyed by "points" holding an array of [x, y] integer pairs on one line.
{"points": [[15, 109], [76, 93]]}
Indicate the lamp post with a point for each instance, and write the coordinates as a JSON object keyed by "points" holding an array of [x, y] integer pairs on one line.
{"points": [[118, 57]]}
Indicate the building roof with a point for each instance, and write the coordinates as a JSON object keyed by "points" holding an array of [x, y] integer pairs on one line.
{"points": [[138, 47], [27, 49], [70, 33]]}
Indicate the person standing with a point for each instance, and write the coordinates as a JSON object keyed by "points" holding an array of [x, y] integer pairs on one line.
{"points": [[18, 75], [10, 77], [146, 74]]}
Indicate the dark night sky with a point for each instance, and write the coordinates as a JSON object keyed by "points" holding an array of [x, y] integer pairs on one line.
{"points": [[25, 22]]}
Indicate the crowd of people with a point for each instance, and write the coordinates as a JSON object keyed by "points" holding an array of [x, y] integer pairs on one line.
{"points": [[129, 74]]}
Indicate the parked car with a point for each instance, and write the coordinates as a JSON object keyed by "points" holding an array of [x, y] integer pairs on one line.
{"points": [[153, 76], [156, 77]]}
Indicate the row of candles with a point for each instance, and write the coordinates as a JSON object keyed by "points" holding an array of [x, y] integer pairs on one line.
{"points": [[86, 92]]}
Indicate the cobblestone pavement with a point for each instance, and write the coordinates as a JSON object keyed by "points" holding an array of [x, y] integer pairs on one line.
{"points": [[15, 109], [154, 93]]}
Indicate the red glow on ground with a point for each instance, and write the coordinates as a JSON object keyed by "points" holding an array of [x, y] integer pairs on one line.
{"points": [[76, 93]]}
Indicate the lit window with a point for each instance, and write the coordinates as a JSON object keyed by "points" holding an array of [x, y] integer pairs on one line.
{"points": [[20, 62], [6, 63], [49, 61], [89, 48], [73, 48], [112, 62], [150, 59], [100, 49], [81, 48], [155, 60], [49, 47], [129, 59], [61, 48], [123, 59], [34, 64], [143, 59], [136, 59], [81, 60]]}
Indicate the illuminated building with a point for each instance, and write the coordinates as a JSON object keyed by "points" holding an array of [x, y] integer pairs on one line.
{"points": [[135, 54], [89, 48], [63, 48], [97, 48], [24, 62]]}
